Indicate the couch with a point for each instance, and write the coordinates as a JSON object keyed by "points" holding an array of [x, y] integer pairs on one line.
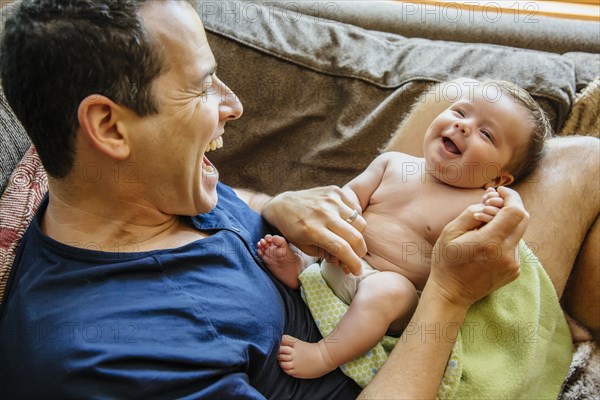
{"points": [[325, 85]]}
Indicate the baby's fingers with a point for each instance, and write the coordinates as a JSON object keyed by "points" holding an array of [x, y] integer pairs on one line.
{"points": [[489, 193], [486, 214], [497, 202]]}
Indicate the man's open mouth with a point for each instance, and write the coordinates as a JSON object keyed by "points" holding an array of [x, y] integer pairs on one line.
{"points": [[450, 146], [214, 144]]}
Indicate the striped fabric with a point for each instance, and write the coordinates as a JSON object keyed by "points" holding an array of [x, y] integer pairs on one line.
{"points": [[25, 190], [13, 142]]}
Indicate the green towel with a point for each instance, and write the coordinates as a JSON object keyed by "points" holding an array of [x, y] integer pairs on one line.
{"points": [[514, 344]]}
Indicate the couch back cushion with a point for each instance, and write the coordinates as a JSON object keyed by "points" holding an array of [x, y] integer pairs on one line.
{"points": [[322, 97]]}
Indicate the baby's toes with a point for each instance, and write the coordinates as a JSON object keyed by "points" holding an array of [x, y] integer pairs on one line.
{"points": [[262, 245], [279, 241], [286, 366], [285, 253]]}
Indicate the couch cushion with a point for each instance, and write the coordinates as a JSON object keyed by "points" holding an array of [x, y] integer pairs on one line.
{"points": [[587, 67], [529, 30], [335, 93]]}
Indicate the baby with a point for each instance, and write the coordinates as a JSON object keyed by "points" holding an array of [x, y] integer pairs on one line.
{"points": [[490, 139]]}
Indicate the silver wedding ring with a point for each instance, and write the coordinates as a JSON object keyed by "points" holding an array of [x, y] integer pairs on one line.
{"points": [[352, 217]]}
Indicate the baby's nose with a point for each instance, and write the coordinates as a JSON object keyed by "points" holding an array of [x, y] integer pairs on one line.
{"points": [[458, 125]]}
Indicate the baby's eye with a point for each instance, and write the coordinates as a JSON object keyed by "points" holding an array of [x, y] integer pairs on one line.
{"points": [[488, 135], [460, 112]]}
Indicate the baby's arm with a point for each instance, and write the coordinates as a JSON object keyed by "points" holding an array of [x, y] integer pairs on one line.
{"points": [[365, 184], [491, 203]]}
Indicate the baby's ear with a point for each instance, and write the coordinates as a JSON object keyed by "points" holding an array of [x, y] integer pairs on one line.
{"points": [[504, 179]]}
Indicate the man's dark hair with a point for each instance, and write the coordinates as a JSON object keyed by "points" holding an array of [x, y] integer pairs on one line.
{"points": [[55, 53]]}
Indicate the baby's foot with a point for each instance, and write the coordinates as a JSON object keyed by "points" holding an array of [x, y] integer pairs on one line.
{"points": [[491, 203], [284, 263], [304, 360]]}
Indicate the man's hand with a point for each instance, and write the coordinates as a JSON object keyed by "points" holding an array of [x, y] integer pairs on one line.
{"points": [[315, 220], [469, 263]]}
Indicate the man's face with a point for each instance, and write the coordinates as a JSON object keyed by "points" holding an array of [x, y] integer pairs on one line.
{"points": [[194, 105], [469, 144]]}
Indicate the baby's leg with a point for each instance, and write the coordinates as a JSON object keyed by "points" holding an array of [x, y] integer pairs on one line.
{"points": [[283, 261], [491, 203], [384, 302]]}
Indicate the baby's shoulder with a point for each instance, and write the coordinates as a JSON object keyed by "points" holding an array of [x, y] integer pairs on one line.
{"points": [[402, 163], [398, 157]]}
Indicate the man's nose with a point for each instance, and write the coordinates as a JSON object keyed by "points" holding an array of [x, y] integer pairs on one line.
{"points": [[231, 106]]}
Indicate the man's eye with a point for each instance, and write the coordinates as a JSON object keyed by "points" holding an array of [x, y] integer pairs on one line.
{"points": [[207, 88]]}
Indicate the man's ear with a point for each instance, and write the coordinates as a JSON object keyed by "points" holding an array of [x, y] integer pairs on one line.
{"points": [[98, 118], [504, 179]]}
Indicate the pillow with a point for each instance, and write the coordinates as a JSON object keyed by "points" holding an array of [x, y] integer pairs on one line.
{"points": [[584, 118], [26, 188]]}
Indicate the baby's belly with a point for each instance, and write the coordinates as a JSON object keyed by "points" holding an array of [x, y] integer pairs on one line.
{"points": [[393, 246]]}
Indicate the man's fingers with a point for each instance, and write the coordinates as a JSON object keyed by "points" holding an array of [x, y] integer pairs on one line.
{"points": [[510, 196], [512, 220], [494, 202], [333, 245], [351, 234], [349, 201]]}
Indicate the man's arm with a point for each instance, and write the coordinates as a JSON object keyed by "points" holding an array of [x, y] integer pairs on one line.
{"points": [[255, 200]]}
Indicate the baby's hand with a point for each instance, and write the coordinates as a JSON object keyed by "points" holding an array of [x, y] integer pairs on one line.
{"points": [[491, 203]]}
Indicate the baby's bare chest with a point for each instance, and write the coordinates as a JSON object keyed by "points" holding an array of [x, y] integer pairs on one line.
{"points": [[407, 211]]}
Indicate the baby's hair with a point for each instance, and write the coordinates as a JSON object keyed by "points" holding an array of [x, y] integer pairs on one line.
{"points": [[526, 159]]}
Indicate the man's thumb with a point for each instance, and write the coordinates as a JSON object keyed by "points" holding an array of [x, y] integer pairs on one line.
{"points": [[463, 223]]}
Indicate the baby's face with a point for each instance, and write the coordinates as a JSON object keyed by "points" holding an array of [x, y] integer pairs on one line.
{"points": [[469, 144]]}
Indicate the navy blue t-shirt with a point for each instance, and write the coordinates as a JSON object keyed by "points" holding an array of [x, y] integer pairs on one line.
{"points": [[203, 320]]}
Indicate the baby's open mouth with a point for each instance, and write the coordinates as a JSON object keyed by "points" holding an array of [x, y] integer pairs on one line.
{"points": [[450, 146]]}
